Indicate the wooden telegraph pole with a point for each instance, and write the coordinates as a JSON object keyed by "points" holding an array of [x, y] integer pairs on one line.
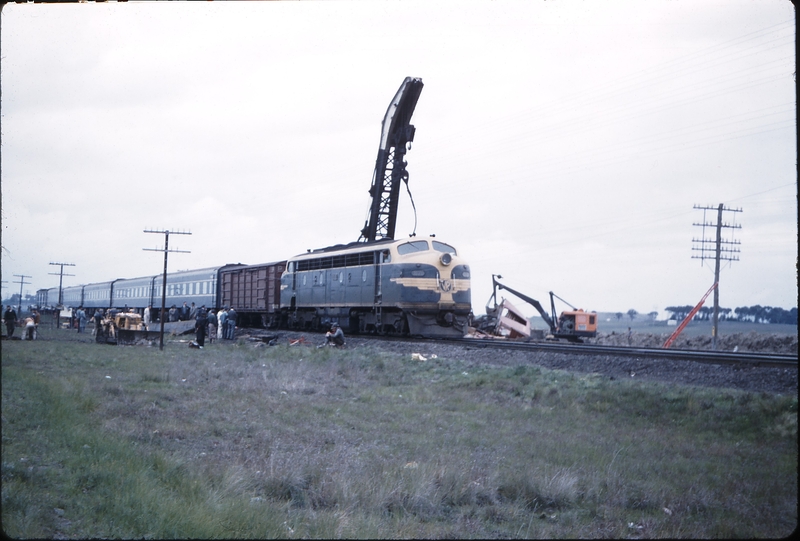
{"points": [[61, 277], [723, 250], [21, 283], [166, 251]]}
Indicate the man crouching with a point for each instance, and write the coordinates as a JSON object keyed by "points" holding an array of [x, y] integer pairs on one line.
{"points": [[334, 337]]}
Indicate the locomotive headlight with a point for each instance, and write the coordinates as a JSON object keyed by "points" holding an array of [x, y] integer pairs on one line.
{"points": [[446, 259]]}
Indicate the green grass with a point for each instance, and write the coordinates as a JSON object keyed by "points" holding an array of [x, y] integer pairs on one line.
{"points": [[235, 441]]}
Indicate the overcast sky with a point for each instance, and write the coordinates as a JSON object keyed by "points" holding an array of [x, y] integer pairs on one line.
{"points": [[562, 144]]}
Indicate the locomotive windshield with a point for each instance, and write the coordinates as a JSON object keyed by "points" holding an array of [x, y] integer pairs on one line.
{"points": [[442, 247], [413, 246]]}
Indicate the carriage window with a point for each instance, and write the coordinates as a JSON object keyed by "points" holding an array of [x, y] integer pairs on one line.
{"points": [[442, 247], [411, 247]]}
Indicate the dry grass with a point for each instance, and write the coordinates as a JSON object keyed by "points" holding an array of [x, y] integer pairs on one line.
{"points": [[238, 441]]}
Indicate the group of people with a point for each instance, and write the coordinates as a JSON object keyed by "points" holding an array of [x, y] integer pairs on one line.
{"points": [[221, 325], [185, 312], [31, 323]]}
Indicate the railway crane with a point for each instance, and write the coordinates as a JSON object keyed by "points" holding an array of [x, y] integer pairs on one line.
{"points": [[390, 167], [571, 325]]}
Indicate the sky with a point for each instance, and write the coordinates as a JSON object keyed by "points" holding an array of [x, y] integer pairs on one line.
{"points": [[561, 144]]}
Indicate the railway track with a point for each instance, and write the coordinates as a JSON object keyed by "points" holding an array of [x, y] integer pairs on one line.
{"points": [[714, 357], [773, 360]]}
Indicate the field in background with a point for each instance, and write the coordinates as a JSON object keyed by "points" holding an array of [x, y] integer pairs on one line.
{"points": [[240, 441], [608, 323]]}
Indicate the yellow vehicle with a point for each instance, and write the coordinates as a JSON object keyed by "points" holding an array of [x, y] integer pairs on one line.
{"points": [[121, 328]]}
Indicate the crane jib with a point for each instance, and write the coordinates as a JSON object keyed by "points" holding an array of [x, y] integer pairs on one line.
{"points": [[390, 166]]}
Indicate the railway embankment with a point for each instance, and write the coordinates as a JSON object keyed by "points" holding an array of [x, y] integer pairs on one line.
{"points": [[753, 342]]}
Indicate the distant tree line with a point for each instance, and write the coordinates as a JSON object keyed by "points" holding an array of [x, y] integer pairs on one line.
{"points": [[756, 314]]}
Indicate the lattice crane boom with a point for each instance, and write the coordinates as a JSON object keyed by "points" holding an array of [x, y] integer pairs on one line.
{"points": [[390, 167]]}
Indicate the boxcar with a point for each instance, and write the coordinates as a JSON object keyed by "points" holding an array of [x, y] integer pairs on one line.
{"points": [[254, 292]]}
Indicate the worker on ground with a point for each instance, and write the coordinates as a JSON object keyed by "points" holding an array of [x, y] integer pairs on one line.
{"points": [[212, 326], [222, 318], [98, 318], [334, 337], [10, 318], [200, 326], [231, 324], [81, 317], [30, 329]]}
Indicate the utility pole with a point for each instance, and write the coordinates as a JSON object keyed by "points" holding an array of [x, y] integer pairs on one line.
{"points": [[21, 283], [61, 277], [723, 250], [166, 251]]}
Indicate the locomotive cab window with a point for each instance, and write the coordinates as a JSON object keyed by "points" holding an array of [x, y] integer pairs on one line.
{"points": [[445, 248], [413, 246]]}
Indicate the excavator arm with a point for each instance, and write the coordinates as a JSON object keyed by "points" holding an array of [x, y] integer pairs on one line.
{"points": [[533, 302], [390, 167]]}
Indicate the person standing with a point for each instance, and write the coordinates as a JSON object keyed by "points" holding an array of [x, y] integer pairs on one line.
{"points": [[10, 318], [81, 317], [231, 324], [98, 322], [146, 318], [212, 326], [222, 320], [200, 324], [184, 311], [173, 313]]}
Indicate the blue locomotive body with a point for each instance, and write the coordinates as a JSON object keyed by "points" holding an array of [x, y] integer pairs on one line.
{"points": [[417, 286]]}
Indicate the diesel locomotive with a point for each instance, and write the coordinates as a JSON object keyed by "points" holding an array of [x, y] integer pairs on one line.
{"points": [[413, 286]]}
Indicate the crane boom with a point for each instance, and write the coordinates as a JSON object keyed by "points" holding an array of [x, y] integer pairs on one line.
{"points": [[390, 166]]}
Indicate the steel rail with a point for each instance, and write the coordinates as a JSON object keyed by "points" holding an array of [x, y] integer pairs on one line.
{"points": [[716, 357]]}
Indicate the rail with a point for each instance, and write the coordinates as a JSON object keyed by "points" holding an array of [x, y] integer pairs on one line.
{"points": [[717, 357]]}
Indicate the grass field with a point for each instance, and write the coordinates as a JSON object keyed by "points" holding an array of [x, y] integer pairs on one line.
{"points": [[236, 441]]}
